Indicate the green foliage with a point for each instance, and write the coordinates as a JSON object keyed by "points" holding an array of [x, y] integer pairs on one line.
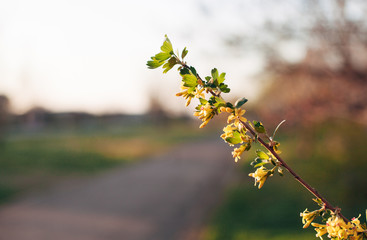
{"points": [[161, 58], [259, 127], [235, 139], [189, 80], [262, 155]]}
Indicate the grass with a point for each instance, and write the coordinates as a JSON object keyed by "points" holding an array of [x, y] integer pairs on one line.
{"points": [[330, 156], [38, 159]]}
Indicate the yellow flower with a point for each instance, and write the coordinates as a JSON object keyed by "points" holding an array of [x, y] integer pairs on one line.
{"points": [[205, 114], [320, 229], [228, 131], [308, 217], [260, 175], [236, 116], [185, 94], [337, 228], [237, 152], [198, 93]]}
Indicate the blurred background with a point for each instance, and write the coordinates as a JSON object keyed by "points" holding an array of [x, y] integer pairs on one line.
{"points": [[76, 98]]}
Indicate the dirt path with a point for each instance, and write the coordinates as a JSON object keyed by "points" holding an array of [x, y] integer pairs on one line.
{"points": [[166, 198]]}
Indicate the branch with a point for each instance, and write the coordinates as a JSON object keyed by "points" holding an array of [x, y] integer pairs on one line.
{"points": [[312, 190]]}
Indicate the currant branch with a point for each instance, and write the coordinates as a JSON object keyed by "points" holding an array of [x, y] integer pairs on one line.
{"points": [[243, 133]]}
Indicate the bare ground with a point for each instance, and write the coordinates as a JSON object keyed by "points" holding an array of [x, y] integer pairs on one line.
{"points": [[169, 197]]}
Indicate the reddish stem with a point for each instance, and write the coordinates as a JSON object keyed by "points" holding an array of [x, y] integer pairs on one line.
{"points": [[312, 190]]}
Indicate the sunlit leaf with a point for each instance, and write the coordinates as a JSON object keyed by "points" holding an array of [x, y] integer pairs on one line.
{"points": [[154, 64], [190, 80], [203, 101], [262, 155], [221, 78], [184, 53], [167, 46], [214, 73], [162, 56], [235, 139]]}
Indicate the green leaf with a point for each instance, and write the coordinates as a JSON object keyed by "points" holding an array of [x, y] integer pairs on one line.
{"points": [[240, 102], [193, 71], [224, 88], [184, 53], [230, 105], [203, 101], [189, 80], [219, 102], [235, 139], [184, 71], [221, 78], [167, 46], [248, 146], [170, 64], [154, 64], [214, 73], [162, 56], [258, 162], [262, 155], [208, 78], [259, 127]]}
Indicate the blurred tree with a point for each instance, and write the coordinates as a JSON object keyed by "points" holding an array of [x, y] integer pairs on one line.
{"points": [[330, 80], [156, 112]]}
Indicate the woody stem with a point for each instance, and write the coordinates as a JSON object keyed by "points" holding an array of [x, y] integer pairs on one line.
{"points": [[312, 190]]}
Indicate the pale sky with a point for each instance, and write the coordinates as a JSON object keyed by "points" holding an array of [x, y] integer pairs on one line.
{"points": [[90, 55]]}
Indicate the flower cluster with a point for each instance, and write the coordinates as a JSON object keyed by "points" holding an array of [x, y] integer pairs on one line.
{"points": [[260, 175], [189, 93], [205, 113], [335, 227]]}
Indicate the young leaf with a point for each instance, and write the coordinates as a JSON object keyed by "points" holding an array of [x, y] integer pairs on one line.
{"points": [[154, 63], [203, 101], [240, 102], [224, 88], [189, 80], [167, 46], [193, 70], [170, 64], [214, 73], [259, 127], [184, 53], [258, 162], [235, 139], [162, 56], [262, 155], [221, 78]]}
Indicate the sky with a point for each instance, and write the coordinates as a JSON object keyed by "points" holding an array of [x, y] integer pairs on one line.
{"points": [[90, 55]]}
